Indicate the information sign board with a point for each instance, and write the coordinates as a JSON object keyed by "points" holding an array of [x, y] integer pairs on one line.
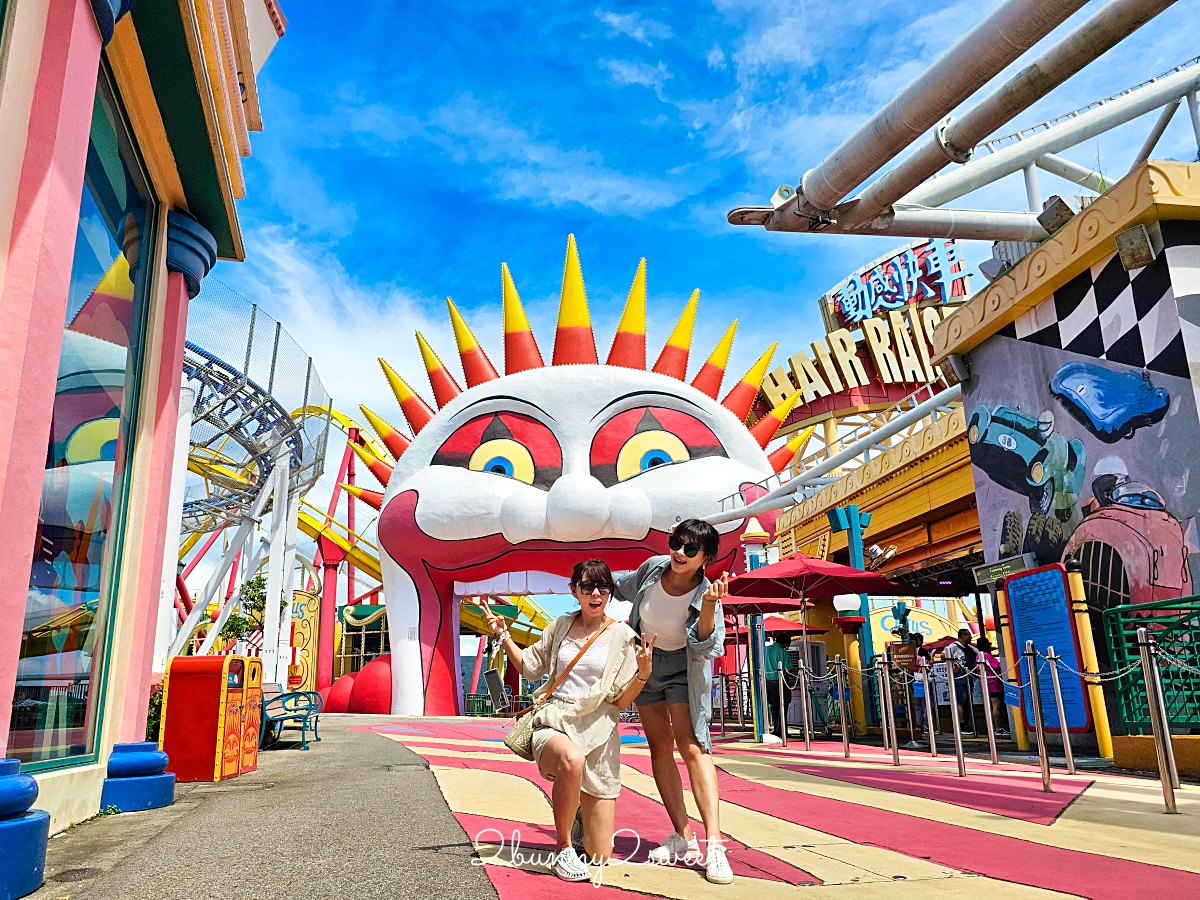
{"points": [[1039, 603]]}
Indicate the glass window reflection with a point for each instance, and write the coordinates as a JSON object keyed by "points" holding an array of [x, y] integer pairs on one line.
{"points": [[57, 699]]}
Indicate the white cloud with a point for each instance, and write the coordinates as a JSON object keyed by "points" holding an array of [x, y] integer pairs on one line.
{"points": [[632, 25], [715, 58], [628, 72], [518, 166]]}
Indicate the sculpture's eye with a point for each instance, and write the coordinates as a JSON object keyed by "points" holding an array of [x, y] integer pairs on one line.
{"points": [[507, 444], [94, 441], [639, 440]]}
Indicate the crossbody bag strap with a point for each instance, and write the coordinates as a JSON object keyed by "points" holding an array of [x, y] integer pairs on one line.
{"points": [[565, 672]]}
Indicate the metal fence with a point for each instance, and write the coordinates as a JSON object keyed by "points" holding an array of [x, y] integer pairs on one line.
{"points": [[256, 391], [1175, 625]]}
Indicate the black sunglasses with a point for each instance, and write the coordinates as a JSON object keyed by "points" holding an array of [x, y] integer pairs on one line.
{"points": [[590, 587], [689, 549]]}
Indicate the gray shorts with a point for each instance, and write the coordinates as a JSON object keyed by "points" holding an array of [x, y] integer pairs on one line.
{"points": [[668, 678]]}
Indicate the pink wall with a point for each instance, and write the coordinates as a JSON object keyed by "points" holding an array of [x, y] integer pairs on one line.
{"points": [[33, 304], [163, 391]]}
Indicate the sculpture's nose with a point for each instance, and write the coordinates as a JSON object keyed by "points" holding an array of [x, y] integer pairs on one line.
{"points": [[576, 508]]}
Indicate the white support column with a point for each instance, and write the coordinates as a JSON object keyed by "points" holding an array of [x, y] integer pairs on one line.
{"points": [[217, 579], [1194, 109], [289, 577], [168, 618], [1033, 191], [275, 571]]}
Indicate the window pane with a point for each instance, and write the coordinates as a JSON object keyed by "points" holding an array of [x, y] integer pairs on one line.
{"points": [[56, 706]]}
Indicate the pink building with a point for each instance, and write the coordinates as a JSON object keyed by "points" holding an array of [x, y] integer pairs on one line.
{"points": [[121, 132]]}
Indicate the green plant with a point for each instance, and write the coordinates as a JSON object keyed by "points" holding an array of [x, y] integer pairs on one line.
{"points": [[1100, 171], [154, 713], [109, 810]]}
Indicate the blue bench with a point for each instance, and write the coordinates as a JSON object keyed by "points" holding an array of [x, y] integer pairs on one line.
{"points": [[299, 707]]}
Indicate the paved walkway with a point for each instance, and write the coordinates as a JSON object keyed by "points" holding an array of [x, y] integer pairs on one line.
{"points": [[390, 808]]}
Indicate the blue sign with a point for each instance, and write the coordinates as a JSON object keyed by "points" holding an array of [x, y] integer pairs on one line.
{"points": [[1012, 695], [916, 273], [1039, 604]]}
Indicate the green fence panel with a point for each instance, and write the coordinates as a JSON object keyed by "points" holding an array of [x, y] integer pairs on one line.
{"points": [[1175, 625]]}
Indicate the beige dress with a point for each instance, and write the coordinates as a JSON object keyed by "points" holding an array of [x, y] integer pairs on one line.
{"points": [[589, 719]]}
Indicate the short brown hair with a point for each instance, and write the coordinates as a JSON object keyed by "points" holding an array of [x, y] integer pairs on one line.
{"points": [[595, 570]]}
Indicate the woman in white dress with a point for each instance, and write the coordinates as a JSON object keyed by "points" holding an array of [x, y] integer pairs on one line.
{"points": [[575, 739]]}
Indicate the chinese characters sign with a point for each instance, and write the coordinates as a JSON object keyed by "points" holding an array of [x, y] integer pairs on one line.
{"points": [[930, 270]]}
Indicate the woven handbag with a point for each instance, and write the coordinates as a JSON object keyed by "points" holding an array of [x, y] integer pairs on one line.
{"points": [[520, 737]]}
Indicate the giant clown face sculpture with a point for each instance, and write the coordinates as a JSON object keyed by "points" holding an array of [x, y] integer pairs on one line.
{"points": [[544, 466]]}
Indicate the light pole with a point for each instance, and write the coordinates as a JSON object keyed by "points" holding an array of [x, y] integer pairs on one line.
{"points": [[849, 624], [850, 520]]}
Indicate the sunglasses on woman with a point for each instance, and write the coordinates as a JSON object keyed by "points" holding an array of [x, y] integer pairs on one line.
{"points": [[689, 549], [591, 587]]}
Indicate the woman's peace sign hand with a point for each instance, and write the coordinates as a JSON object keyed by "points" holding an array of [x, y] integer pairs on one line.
{"points": [[717, 590], [495, 622], [644, 653]]}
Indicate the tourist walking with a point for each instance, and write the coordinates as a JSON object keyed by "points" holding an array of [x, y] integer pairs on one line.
{"points": [[673, 599], [961, 659], [774, 656], [575, 741], [994, 693]]}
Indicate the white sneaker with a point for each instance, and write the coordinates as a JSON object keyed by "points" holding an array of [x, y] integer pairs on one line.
{"points": [[716, 868], [569, 867], [676, 849]]}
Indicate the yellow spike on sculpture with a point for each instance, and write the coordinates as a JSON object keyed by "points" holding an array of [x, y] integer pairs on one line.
{"points": [[416, 411], [674, 357], [574, 342], [629, 346], [477, 368], [445, 388]]}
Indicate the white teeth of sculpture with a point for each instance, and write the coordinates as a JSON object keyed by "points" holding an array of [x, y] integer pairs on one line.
{"points": [[515, 583]]}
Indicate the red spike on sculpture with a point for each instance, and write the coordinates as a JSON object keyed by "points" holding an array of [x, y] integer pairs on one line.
{"points": [[381, 470], [374, 499]]}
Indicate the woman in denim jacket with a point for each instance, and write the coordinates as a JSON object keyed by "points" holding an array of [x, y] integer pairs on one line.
{"points": [[674, 602]]}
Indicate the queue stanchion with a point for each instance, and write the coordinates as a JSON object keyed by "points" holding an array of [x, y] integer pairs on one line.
{"points": [[804, 710], [987, 710], [1163, 715], [955, 725], [782, 707], [724, 700], [910, 700], [882, 705], [843, 702], [891, 716], [1039, 723], [1053, 659], [1159, 725], [929, 723], [741, 704]]}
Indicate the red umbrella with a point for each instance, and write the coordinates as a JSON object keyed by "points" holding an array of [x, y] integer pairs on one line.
{"points": [[798, 575], [774, 625], [741, 606]]}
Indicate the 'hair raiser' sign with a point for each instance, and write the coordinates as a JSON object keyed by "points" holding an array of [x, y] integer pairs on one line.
{"points": [[880, 324]]}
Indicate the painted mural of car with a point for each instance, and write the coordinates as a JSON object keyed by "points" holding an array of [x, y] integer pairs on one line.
{"points": [[1028, 456], [1131, 550], [1111, 405]]}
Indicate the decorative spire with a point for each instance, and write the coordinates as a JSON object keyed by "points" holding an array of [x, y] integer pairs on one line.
{"points": [[764, 429], [574, 342], [381, 470], [629, 346], [674, 357], [395, 440], [708, 379], [780, 459], [445, 388], [416, 411], [477, 368], [520, 349], [741, 398], [374, 499]]}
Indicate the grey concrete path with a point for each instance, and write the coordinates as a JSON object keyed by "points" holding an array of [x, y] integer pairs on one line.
{"points": [[357, 816]]}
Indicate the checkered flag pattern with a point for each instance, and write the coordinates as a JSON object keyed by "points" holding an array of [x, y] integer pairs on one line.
{"points": [[1108, 313]]}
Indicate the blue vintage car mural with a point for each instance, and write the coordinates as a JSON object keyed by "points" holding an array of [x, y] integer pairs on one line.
{"points": [[1111, 405], [1028, 456]]}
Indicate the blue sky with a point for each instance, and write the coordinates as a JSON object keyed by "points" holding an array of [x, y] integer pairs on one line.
{"points": [[410, 148]]}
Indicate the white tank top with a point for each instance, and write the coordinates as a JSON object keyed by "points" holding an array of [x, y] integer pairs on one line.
{"points": [[580, 680], [665, 615]]}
